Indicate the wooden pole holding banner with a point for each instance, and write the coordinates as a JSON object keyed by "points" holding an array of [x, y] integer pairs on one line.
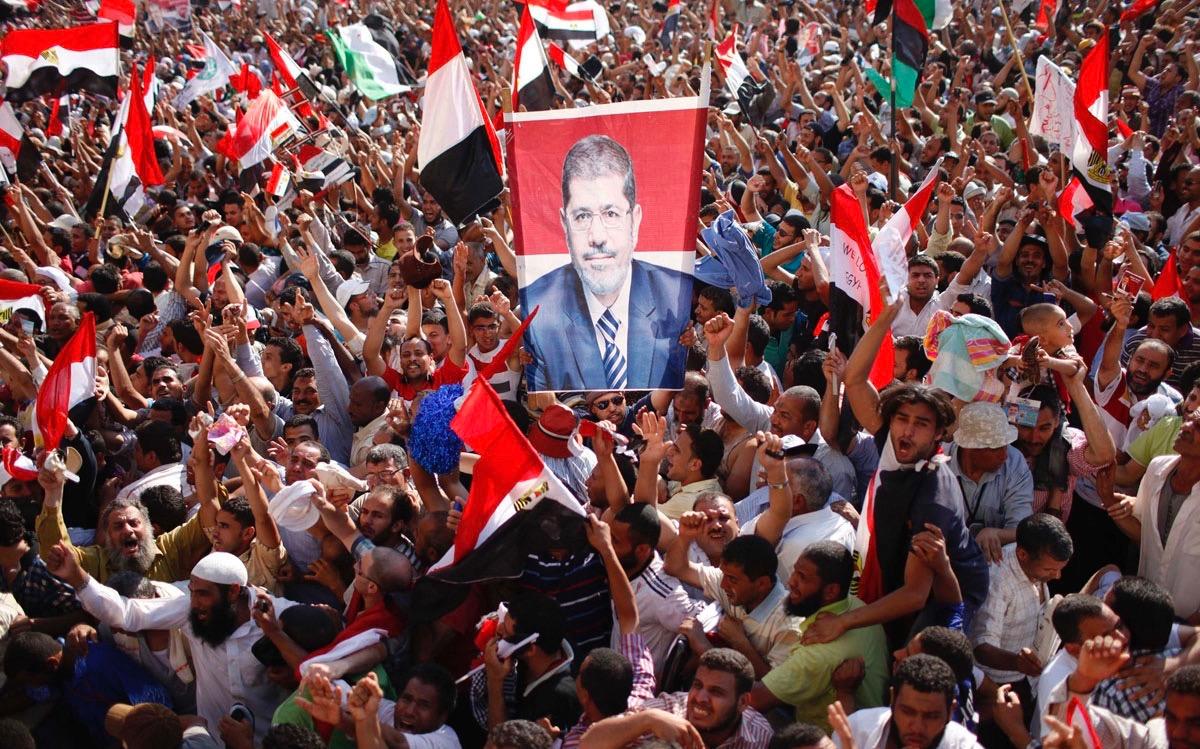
{"points": [[1012, 39]]}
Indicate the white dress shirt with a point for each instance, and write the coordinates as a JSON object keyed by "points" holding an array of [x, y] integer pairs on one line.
{"points": [[802, 530], [226, 674], [620, 310]]}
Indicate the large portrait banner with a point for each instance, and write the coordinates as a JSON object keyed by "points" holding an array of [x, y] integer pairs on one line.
{"points": [[605, 202]]}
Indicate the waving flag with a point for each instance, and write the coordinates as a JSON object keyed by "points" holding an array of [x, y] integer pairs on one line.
{"points": [[12, 134], [1168, 282], [370, 66], [512, 493], [532, 86], [15, 295], [1137, 9], [732, 65], [670, 23], [267, 123], [130, 159], [15, 465], [891, 241], [562, 59], [70, 381], [51, 61], [292, 75], [458, 151], [1091, 184], [214, 76], [578, 24], [854, 295], [60, 110]]}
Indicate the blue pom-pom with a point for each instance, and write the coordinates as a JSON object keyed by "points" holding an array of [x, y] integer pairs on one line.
{"points": [[431, 442]]}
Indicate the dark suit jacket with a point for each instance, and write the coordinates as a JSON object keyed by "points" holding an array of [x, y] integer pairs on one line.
{"points": [[563, 341]]}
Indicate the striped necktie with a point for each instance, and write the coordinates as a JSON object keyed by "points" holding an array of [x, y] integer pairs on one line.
{"points": [[614, 362]]}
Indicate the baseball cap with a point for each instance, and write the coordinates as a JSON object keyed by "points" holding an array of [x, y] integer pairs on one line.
{"points": [[145, 726], [351, 288]]}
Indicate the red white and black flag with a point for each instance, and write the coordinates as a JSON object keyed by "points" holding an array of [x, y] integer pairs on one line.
{"points": [[854, 294], [513, 494], [532, 87], [60, 111], [44, 62], [579, 24], [292, 75], [267, 124], [130, 160], [70, 381], [1091, 184], [458, 152]]}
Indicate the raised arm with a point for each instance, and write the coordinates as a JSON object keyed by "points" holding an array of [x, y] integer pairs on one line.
{"points": [[862, 395], [1110, 359], [624, 602]]}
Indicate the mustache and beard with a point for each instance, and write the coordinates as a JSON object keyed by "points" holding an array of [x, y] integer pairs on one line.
{"points": [[222, 620], [119, 561], [805, 607]]}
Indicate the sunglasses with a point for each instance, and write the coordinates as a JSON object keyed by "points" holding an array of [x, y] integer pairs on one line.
{"points": [[616, 400]]}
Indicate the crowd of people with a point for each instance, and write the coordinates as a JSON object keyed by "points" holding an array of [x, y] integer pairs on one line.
{"points": [[233, 546]]}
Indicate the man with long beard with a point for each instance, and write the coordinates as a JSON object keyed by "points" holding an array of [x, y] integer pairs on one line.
{"points": [[215, 618], [820, 584], [127, 539]]}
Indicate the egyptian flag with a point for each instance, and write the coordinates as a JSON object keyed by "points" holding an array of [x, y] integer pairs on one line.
{"points": [[15, 295], [458, 152], [1168, 282], [279, 181], [562, 59], [16, 466], [732, 65], [59, 112], [319, 170], [670, 23], [292, 75], [130, 166], [267, 123], [714, 21], [12, 135], [854, 295], [44, 62], [246, 81], [70, 381], [532, 87], [1091, 184], [1136, 9], [891, 241], [578, 24], [124, 14], [514, 498]]}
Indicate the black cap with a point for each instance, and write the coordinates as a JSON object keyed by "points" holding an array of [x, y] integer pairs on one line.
{"points": [[310, 627]]}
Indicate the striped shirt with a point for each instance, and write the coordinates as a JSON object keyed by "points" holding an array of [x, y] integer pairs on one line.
{"points": [[579, 584], [633, 647], [662, 605], [1187, 351], [754, 732]]}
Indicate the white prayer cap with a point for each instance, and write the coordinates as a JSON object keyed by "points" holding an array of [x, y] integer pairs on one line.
{"points": [[221, 568]]}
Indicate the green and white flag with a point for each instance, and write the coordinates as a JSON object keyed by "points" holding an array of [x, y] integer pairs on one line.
{"points": [[369, 65], [214, 76]]}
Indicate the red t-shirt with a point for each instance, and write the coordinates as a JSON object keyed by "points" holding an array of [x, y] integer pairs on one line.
{"points": [[447, 373]]}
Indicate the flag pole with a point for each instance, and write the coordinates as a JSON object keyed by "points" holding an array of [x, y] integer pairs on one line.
{"points": [[893, 172], [1012, 39]]}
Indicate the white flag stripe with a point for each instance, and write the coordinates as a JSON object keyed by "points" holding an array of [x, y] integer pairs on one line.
{"points": [[447, 120]]}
